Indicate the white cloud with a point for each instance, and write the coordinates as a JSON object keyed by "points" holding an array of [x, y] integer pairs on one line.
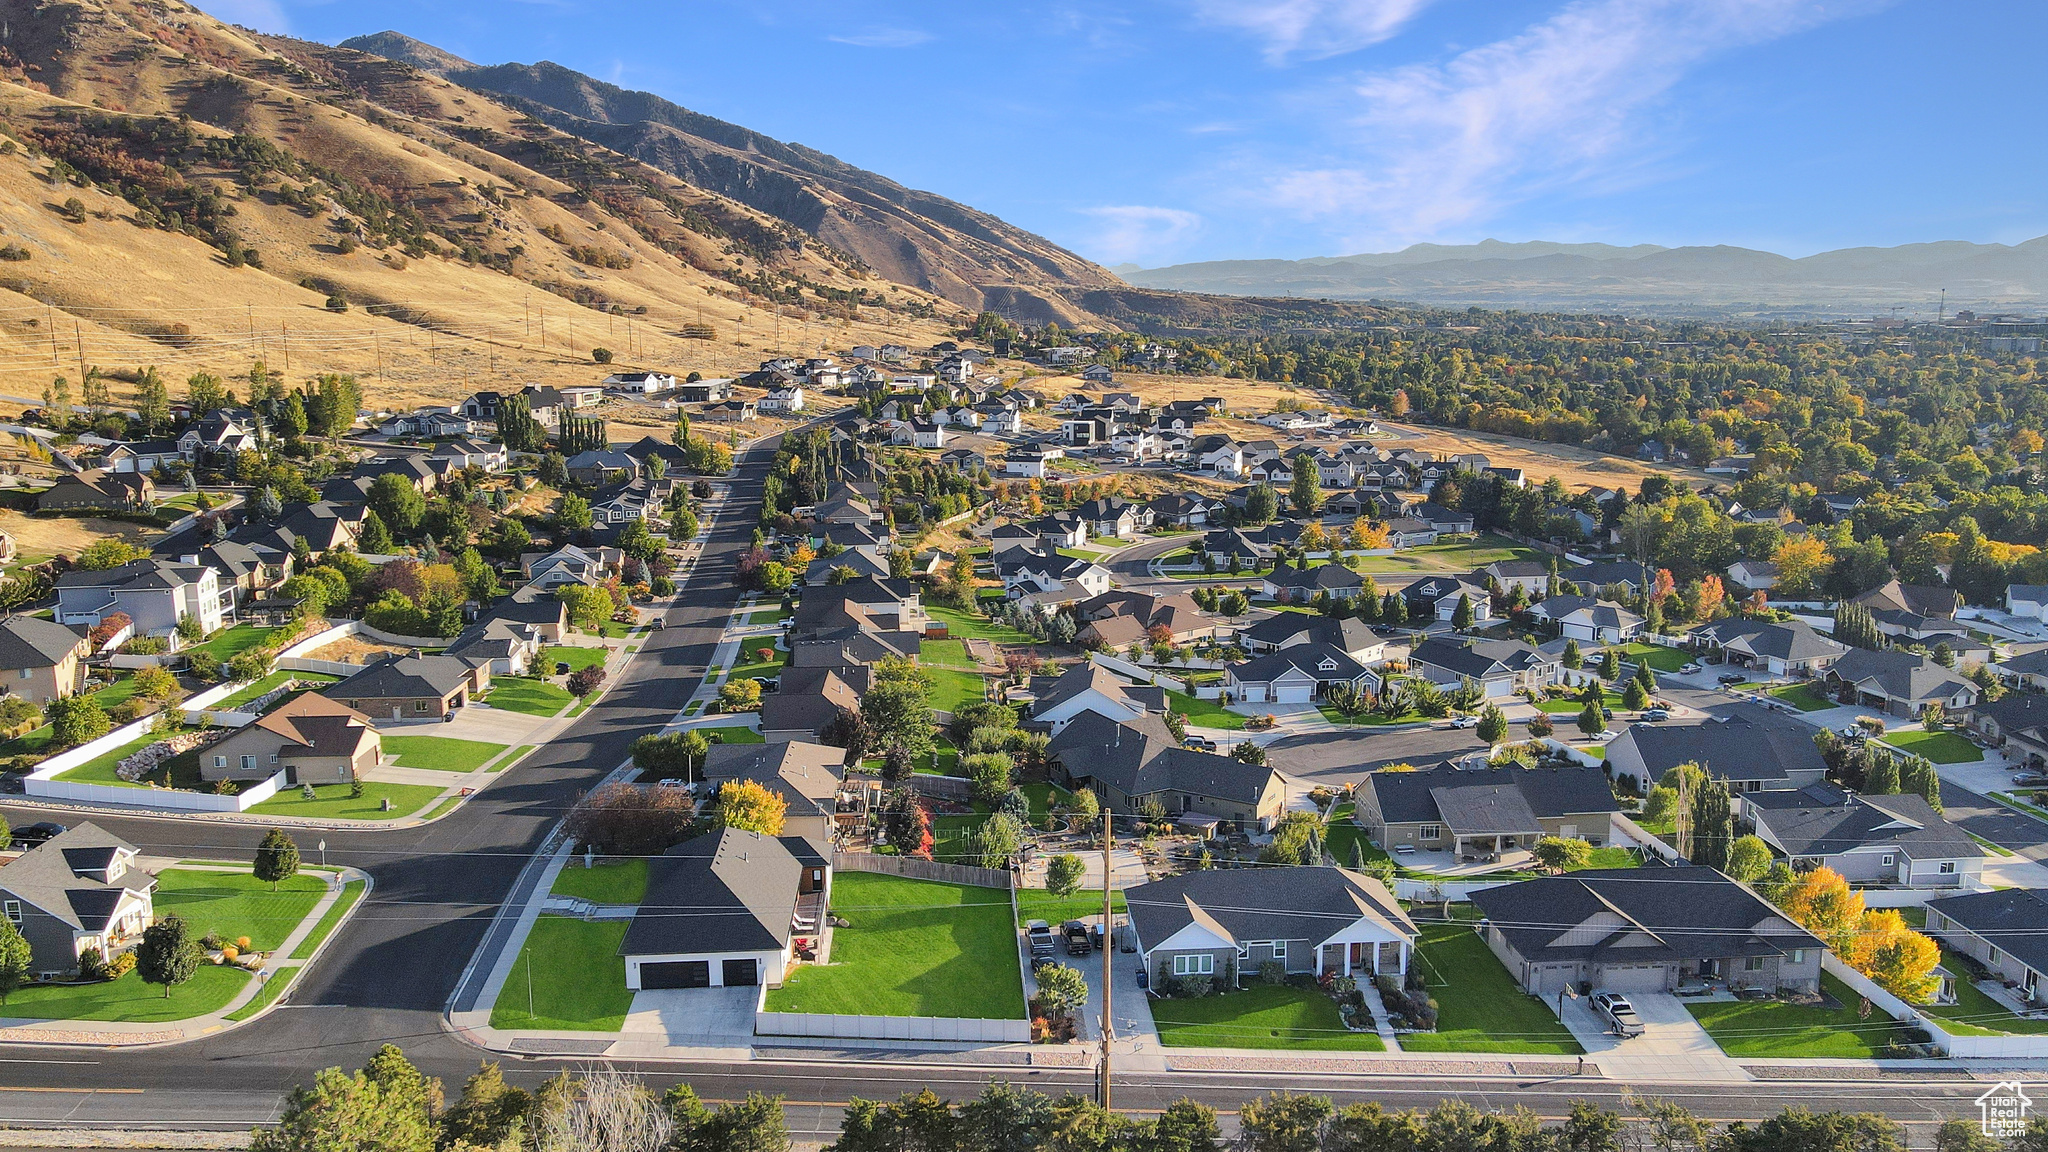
{"points": [[884, 38], [1312, 28], [1139, 232], [262, 15], [1568, 100]]}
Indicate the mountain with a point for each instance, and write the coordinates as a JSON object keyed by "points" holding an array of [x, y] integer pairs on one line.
{"points": [[911, 237], [1645, 277], [181, 194]]}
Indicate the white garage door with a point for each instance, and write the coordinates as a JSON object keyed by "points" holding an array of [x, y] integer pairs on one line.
{"points": [[1632, 978], [1293, 693]]}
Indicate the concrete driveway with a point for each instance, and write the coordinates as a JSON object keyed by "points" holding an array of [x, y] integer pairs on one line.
{"points": [[1344, 755], [1673, 1046], [693, 1017]]}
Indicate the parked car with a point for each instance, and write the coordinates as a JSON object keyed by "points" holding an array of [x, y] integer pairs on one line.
{"points": [[1689, 669], [1202, 743], [30, 835], [1620, 1013], [659, 624], [770, 683], [1731, 678], [1655, 714], [1040, 935], [2031, 779], [1465, 722], [561, 667], [1074, 937]]}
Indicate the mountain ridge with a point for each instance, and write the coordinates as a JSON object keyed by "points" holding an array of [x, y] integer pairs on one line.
{"points": [[903, 234], [1547, 274]]}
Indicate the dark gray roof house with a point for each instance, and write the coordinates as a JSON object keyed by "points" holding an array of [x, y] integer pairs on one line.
{"points": [[78, 889], [720, 910], [1129, 763], [1312, 919], [1870, 839], [2002, 930], [1752, 747], [1501, 807]]}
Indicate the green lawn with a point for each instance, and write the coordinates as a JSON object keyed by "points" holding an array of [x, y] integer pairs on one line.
{"points": [[945, 654], [271, 990], [974, 626], [610, 882], [335, 911], [1204, 713], [1043, 796], [1976, 1014], [441, 754], [236, 904], [229, 643], [333, 802], [35, 742], [1940, 747], [1659, 658], [1479, 1008], [1770, 1028], [270, 683], [915, 948], [568, 977], [1261, 1016], [749, 669], [952, 688], [769, 616], [575, 657], [1802, 697], [732, 735], [1571, 705], [1343, 833], [1369, 719], [1038, 904], [100, 769], [528, 694], [942, 760], [1454, 557], [128, 998]]}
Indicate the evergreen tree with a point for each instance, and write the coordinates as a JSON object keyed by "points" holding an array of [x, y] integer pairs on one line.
{"points": [[1306, 494], [1572, 659], [1713, 823]]}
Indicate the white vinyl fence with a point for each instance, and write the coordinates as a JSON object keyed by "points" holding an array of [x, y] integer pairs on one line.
{"points": [[1959, 1047], [43, 781], [892, 1027]]}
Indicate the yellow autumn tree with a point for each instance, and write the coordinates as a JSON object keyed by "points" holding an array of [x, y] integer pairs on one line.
{"points": [[1901, 960], [1366, 535], [1801, 561], [1313, 538], [747, 805], [1823, 903]]}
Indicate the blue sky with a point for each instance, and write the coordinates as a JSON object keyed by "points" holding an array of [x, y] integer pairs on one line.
{"points": [[1161, 131]]}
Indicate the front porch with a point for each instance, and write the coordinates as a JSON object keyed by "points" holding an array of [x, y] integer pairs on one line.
{"points": [[1362, 958]]}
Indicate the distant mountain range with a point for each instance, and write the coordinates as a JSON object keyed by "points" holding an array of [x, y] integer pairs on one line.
{"points": [[1642, 278], [905, 235]]}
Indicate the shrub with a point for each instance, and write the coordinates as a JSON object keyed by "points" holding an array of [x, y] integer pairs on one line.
{"points": [[205, 666], [242, 942], [92, 965], [1273, 972], [122, 965], [586, 680], [1196, 987]]}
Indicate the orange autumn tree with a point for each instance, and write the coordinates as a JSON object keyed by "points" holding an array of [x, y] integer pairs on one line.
{"points": [[1901, 960], [1823, 903]]}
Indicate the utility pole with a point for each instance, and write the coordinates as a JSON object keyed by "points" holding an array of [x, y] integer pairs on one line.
{"points": [[1108, 949]]}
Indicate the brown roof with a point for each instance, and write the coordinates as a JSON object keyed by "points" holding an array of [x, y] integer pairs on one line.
{"points": [[321, 726]]}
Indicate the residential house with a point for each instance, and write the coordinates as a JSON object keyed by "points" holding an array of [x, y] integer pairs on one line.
{"points": [[729, 909], [1177, 613], [1023, 570], [1114, 516], [1753, 575], [1447, 521], [245, 572], [1436, 598], [1292, 585], [2016, 722], [1884, 841], [141, 455], [40, 660], [412, 688], [1899, 683], [807, 776], [472, 453], [1222, 924], [79, 889], [1501, 668], [789, 398], [569, 564], [1224, 545], [1216, 455], [641, 383], [2000, 930], [309, 738], [600, 466], [1485, 813], [217, 438], [428, 424], [1184, 510], [1788, 649], [1031, 461], [1531, 576], [1298, 674], [966, 461], [635, 499], [2028, 600], [1405, 532], [1587, 619], [97, 490], [1287, 629], [1092, 690], [1914, 612], [809, 700], [714, 391], [1627, 577], [1644, 930], [1138, 761], [154, 593], [734, 411], [506, 647], [1751, 747]]}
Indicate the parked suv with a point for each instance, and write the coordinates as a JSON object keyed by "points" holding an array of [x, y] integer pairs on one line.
{"points": [[1040, 935], [1620, 1013]]}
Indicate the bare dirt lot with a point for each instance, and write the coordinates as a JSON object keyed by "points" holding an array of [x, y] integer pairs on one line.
{"points": [[37, 538]]}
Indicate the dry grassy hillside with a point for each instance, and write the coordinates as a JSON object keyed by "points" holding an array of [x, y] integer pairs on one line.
{"points": [[475, 247]]}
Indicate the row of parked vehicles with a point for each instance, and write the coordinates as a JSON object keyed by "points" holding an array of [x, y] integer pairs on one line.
{"points": [[1077, 938]]}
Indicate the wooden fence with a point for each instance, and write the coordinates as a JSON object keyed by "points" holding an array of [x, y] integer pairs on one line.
{"points": [[912, 868]]}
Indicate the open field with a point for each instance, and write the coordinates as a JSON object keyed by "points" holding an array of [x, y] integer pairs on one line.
{"points": [[915, 948], [38, 538]]}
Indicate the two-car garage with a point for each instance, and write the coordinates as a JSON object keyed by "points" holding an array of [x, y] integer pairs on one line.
{"points": [[653, 974]]}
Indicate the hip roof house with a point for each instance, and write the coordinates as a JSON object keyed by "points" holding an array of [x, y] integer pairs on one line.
{"points": [[1221, 923]]}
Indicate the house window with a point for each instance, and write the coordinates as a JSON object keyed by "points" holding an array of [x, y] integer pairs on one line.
{"points": [[220, 761], [248, 763], [1947, 868], [14, 911], [1279, 949], [1201, 964], [1890, 859], [1798, 956], [1753, 964], [1431, 832], [419, 705], [28, 673]]}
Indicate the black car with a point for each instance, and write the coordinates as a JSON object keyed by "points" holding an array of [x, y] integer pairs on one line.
{"points": [[30, 835], [1074, 936], [1732, 678], [561, 667], [1040, 935]]}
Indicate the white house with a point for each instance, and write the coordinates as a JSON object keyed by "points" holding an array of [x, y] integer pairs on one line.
{"points": [[1092, 688], [754, 903], [2029, 600], [789, 399]]}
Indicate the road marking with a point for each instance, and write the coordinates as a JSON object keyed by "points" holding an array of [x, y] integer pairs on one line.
{"points": [[19, 1061], [82, 1091]]}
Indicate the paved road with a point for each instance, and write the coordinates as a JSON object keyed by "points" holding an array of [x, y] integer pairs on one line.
{"points": [[1995, 822], [388, 976]]}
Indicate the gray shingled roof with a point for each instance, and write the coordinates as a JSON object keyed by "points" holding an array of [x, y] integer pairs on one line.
{"points": [[1867, 821], [1412, 797], [730, 891], [1905, 676], [1138, 759], [1735, 742], [33, 642], [1311, 903], [1684, 913], [2010, 920]]}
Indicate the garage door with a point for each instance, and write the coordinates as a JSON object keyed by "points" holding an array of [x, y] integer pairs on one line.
{"points": [[1293, 693], [1632, 978], [742, 972], [676, 974]]}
